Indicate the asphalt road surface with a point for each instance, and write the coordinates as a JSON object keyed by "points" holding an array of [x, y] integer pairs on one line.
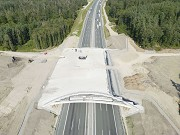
{"points": [[86, 35], [91, 118], [108, 121], [99, 36], [103, 119], [72, 120]]}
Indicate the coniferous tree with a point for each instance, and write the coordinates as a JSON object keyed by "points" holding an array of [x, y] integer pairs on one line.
{"points": [[148, 22], [43, 23]]}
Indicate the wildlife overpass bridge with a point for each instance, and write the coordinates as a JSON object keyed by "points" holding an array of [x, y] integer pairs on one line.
{"points": [[79, 77]]}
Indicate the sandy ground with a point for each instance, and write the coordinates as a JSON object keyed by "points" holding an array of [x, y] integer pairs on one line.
{"points": [[150, 123], [170, 51], [145, 77], [21, 87], [164, 69], [7, 71], [114, 42], [25, 86], [40, 122]]}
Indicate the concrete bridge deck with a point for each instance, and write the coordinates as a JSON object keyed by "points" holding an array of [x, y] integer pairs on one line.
{"points": [[79, 76]]}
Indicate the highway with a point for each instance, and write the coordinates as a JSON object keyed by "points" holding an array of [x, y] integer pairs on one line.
{"points": [[76, 118], [108, 121], [86, 34], [99, 34], [73, 119], [91, 118]]}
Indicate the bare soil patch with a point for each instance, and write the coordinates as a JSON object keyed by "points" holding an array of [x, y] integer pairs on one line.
{"points": [[170, 51], [138, 49], [134, 82], [8, 70], [162, 71], [149, 123], [116, 42], [40, 122]]}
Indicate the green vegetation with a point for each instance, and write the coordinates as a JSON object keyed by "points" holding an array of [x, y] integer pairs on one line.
{"points": [[36, 24], [130, 125], [78, 24], [151, 23], [106, 31]]}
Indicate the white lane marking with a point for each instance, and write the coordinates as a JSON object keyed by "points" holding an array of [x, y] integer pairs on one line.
{"points": [[95, 116], [79, 123], [66, 119], [102, 131], [100, 107], [114, 119], [90, 116], [106, 107], [109, 132], [72, 124], [93, 24], [86, 120]]}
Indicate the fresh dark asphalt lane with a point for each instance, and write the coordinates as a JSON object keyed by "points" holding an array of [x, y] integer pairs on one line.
{"points": [[86, 35], [72, 120], [104, 120], [99, 37], [108, 120]]}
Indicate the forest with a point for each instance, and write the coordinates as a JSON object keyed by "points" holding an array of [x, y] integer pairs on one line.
{"points": [[153, 24], [36, 24]]}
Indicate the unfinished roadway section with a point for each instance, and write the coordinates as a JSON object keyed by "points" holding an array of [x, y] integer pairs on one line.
{"points": [[80, 76]]}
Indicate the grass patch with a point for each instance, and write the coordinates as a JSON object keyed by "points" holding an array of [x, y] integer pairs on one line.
{"points": [[113, 27], [1, 48], [78, 24], [28, 47], [89, 0], [43, 50], [106, 31], [130, 125]]}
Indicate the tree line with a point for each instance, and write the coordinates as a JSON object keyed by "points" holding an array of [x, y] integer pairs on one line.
{"points": [[36, 23], [151, 23]]}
